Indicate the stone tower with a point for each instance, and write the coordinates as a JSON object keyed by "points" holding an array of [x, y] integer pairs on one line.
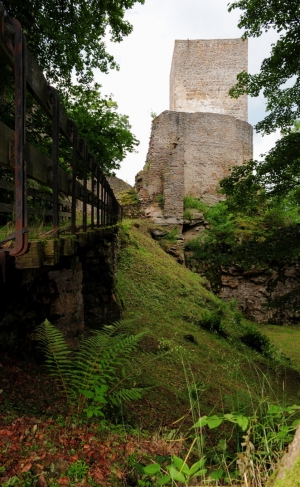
{"points": [[205, 132], [202, 73]]}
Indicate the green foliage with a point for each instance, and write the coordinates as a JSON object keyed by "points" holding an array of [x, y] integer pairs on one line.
{"points": [[78, 470], [212, 321], [261, 439], [129, 197], [189, 202], [94, 375], [177, 471], [253, 338], [283, 100], [265, 182], [66, 40], [107, 132], [160, 200], [252, 233], [172, 234], [67, 37]]}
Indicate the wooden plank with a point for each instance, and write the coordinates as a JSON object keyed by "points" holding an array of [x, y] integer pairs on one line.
{"points": [[33, 259], [68, 245], [51, 250]]}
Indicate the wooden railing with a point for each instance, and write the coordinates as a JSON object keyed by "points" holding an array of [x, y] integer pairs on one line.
{"points": [[20, 161]]}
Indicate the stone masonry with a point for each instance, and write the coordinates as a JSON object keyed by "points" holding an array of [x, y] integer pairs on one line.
{"points": [[193, 146], [202, 73]]}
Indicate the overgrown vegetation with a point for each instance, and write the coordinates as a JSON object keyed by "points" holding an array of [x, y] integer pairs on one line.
{"points": [[129, 197], [199, 359], [261, 235], [95, 375]]}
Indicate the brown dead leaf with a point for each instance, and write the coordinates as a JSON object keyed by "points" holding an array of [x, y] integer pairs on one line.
{"points": [[74, 457], [98, 475], [42, 481], [6, 432], [63, 481], [26, 467]]}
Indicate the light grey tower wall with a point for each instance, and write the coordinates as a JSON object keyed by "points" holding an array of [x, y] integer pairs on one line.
{"points": [[203, 71], [195, 143]]}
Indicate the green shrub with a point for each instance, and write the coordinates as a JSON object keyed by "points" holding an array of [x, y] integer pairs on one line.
{"points": [[212, 321], [254, 339], [193, 203]]}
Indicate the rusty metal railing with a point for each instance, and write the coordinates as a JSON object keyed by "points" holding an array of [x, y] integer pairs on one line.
{"points": [[24, 161]]}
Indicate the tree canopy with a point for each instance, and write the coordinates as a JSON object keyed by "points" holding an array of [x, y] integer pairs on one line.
{"points": [[67, 39], [278, 78], [67, 36]]}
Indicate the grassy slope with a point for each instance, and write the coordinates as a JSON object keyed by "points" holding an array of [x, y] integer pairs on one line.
{"points": [[163, 297], [286, 339]]}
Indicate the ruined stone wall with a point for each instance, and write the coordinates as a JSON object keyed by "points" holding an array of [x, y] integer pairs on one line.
{"points": [[188, 155], [203, 71], [78, 292], [253, 289]]}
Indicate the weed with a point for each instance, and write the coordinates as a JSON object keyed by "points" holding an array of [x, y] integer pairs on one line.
{"points": [[160, 200], [78, 470], [190, 202]]}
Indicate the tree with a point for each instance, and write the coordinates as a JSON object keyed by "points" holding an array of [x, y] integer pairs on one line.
{"points": [[107, 133], [281, 68], [66, 36]]}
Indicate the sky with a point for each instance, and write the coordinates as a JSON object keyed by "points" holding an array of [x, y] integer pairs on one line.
{"points": [[141, 86]]}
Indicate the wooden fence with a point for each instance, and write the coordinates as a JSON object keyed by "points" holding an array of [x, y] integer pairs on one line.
{"points": [[21, 162]]}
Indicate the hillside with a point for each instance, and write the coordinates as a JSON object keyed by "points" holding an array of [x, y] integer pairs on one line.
{"points": [[198, 357], [227, 361]]}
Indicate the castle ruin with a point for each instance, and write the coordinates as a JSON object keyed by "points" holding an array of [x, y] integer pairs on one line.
{"points": [[205, 132]]}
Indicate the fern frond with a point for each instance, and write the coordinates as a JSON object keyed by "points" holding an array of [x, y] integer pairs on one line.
{"points": [[57, 355], [123, 395], [99, 361]]}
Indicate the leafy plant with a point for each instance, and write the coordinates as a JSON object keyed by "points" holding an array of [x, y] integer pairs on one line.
{"points": [[178, 470], [190, 202], [78, 470], [95, 374], [212, 321]]}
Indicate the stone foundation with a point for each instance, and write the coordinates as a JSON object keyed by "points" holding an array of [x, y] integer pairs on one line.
{"points": [[188, 155], [77, 293]]}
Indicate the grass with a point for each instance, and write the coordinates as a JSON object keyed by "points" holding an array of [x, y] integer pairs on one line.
{"points": [[203, 360], [286, 339], [170, 301]]}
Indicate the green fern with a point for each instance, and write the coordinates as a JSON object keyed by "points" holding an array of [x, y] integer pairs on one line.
{"points": [[100, 361]]}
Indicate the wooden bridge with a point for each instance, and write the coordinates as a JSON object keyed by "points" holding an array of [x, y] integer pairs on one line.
{"points": [[74, 211]]}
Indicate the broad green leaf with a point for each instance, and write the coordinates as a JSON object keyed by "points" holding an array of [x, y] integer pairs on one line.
{"points": [[214, 421], [229, 417], [179, 463], [202, 422], [152, 469], [217, 474], [175, 474], [243, 422], [273, 409], [195, 467], [88, 394], [163, 480], [199, 473]]}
